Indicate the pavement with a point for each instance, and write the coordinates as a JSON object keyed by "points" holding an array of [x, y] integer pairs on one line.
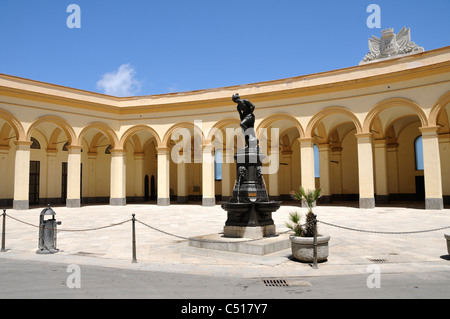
{"points": [[85, 238]]}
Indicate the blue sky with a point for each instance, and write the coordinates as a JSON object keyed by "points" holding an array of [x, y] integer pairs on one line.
{"points": [[151, 47]]}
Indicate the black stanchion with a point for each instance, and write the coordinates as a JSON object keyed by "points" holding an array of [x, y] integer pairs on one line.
{"points": [[314, 266], [3, 232], [134, 240]]}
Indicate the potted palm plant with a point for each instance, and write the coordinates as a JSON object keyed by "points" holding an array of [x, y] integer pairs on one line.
{"points": [[302, 242]]}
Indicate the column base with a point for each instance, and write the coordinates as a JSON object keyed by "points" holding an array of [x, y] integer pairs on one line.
{"points": [[208, 201], [163, 201], [73, 203], [117, 201], [21, 204], [434, 203], [367, 202]]}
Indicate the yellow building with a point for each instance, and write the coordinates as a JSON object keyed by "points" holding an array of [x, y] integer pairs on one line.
{"points": [[64, 145]]}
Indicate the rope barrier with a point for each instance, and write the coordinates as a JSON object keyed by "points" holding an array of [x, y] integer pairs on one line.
{"points": [[384, 232], [207, 241], [234, 242], [70, 230], [133, 220]]}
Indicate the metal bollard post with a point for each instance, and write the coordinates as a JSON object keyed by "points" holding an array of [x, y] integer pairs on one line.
{"points": [[315, 243], [134, 240], [3, 232]]}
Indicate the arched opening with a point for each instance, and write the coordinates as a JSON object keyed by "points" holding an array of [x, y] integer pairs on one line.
{"points": [[333, 131], [279, 136], [96, 140], [398, 156], [140, 143], [48, 161]]}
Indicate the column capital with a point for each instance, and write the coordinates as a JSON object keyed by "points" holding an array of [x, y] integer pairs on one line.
{"points": [[23, 145], [324, 147], [380, 142], [207, 147], [429, 131], [74, 149], [118, 152], [364, 137], [306, 141], [163, 150]]}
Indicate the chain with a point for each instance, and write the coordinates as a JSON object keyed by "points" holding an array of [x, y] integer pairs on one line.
{"points": [[232, 242], [207, 241], [70, 230], [95, 228], [384, 233]]}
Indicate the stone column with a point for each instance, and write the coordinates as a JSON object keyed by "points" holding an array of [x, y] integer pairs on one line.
{"points": [[163, 176], [52, 184], [444, 151], [4, 171], [274, 189], [139, 176], [307, 163], [432, 168], [325, 173], [208, 182], [285, 169], [118, 178], [182, 194], [381, 183], [227, 181], [392, 169], [365, 171], [336, 162], [91, 180], [22, 175], [73, 177]]}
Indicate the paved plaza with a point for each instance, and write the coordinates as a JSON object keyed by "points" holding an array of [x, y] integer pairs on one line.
{"points": [[351, 252]]}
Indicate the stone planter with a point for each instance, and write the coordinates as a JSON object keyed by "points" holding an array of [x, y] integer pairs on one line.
{"points": [[448, 243], [303, 248]]}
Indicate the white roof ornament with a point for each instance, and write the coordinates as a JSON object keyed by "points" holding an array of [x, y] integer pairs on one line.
{"points": [[391, 45]]}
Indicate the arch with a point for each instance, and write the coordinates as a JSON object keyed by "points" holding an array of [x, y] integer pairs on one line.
{"points": [[280, 116], [438, 108], [14, 123], [392, 102], [315, 120], [103, 128], [188, 125], [132, 130], [60, 122], [221, 124], [53, 140]]}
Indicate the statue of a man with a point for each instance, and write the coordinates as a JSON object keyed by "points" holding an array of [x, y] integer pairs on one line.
{"points": [[245, 109]]}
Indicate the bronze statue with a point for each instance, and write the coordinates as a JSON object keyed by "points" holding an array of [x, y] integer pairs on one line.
{"points": [[245, 109]]}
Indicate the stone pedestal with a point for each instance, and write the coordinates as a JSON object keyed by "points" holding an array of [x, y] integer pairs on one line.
{"points": [[249, 232]]}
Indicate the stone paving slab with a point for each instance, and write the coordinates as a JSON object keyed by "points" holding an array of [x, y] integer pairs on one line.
{"points": [[351, 252]]}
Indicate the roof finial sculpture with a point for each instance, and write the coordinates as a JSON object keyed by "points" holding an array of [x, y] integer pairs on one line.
{"points": [[391, 45]]}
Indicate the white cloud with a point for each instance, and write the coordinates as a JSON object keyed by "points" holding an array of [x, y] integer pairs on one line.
{"points": [[121, 82]]}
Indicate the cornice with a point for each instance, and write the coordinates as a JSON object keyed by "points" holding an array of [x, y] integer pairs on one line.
{"points": [[400, 69]]}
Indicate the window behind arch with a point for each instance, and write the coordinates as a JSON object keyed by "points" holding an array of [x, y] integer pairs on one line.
{"points": [[35, 144], [316, 162], [218, 165], [418, 151]]}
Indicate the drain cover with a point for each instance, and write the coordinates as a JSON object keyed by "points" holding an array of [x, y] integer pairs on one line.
{"points": [[275, 283], [84, 253], [379, 261]]}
